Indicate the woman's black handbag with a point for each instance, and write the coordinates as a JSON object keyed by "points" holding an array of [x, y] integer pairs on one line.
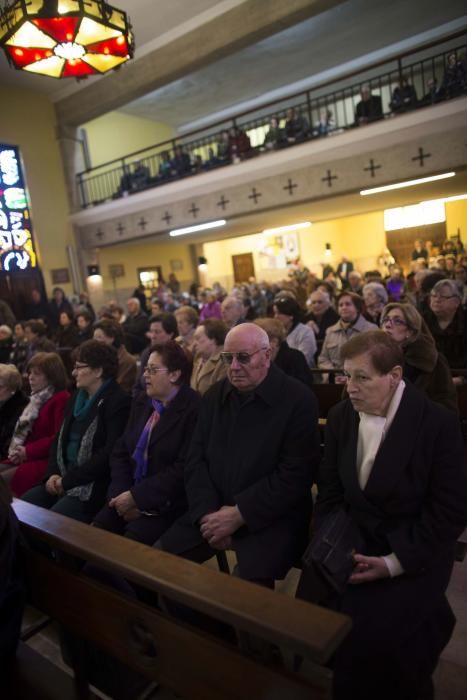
{"points": [[332, 548]]}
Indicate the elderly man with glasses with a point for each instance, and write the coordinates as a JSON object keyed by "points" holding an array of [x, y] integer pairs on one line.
{"points": [[250, 465], [447, 321]]}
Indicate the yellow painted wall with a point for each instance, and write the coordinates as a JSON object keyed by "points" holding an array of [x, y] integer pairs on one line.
{"points": [[117, 134], [361, 238], [140, 255], [27, 120], [456, 218]]}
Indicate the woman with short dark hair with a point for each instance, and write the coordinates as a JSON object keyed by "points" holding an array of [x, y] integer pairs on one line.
{"points": [[38, 423], [110, 332], [147, 493], [78, 472], [393, 482]]}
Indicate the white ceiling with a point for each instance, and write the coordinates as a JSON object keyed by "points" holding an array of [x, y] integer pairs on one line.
{"points": [[351, 34]]}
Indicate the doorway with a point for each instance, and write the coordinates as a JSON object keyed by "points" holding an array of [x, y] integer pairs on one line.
{"points": [[243, 267], [401, 241]]}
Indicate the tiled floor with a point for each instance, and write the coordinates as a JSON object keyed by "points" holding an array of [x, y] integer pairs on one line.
{"points": [[450, 677]]}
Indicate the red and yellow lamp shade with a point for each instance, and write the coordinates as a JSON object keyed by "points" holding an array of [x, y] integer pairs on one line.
{"points": [[65, 38]]}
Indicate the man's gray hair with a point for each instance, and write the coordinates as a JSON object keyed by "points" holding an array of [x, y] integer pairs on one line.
{"points": [[136, 301]]}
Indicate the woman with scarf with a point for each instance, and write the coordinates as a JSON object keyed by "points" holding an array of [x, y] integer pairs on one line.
{"points": [[78, 472], [147, 492], [38, 424], [424, 366]]}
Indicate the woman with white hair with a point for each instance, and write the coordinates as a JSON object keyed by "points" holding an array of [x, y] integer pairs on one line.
{"points": [[375, 297], [447, 321]]}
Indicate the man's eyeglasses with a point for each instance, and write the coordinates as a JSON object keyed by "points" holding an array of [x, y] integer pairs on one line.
{"points": [[151, 369], [80, 366], [242, 357], [388, 321], [435, 295]]}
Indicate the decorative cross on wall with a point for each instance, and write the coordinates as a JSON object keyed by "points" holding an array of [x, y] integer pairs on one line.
{"points": [[194, 210], [290, 186], [167, 218], [223, 202], [329, 178], [372, 167], [120, 229], [142, 223], [254, 195], [422, 157]]}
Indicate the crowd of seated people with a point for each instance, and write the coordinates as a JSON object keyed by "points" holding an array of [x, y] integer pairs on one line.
{"points": [[213, 445], [233, 145]]}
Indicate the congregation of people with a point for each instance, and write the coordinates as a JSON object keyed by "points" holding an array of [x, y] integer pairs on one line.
{"points": [[291, 126], [188, 421]]}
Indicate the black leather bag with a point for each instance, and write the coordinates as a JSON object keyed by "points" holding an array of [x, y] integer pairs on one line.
{"points": [[332, 548]]}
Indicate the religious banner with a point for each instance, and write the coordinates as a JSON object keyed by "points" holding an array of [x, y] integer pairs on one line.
{"points": [[16, 241]]}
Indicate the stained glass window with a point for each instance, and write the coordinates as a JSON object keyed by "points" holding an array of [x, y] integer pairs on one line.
{"points": [[16, 240]]}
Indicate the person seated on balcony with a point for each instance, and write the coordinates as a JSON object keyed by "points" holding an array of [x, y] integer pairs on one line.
{"points": [[224, 154], [432, 95], [165, 167], [140, 176], [212, 161], [181, 163], [455, 77], [370, 108], [404, 97], [296, 126], [325, 123], [239, 143], [275, 138], [125, 181]]}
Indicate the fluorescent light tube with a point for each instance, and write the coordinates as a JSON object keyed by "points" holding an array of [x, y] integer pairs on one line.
{"points": [[198, 227], [407, 183]]}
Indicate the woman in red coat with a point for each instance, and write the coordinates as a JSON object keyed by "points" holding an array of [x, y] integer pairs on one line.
{"points": [[38, 424]]}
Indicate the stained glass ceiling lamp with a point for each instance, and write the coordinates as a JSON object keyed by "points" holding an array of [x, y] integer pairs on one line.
{"points": [[65, 38]]}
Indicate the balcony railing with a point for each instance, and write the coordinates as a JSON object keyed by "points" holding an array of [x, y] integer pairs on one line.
{"points": [[405, 84]]}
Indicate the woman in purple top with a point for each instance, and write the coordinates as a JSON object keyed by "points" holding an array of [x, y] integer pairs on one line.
{"points": [[396, 283], [211, 307]]}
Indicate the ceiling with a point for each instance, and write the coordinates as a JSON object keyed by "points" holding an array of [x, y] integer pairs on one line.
{"points": [[353, 33]]}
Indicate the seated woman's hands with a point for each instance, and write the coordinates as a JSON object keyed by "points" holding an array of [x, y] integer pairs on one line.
{"points": [[368, 569], [53, 485], [17, 455]]}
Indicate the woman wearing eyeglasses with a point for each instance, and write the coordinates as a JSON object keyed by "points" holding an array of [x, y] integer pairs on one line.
{"points": [[424, 366], [78, 472], [447, 321], [147, 492]]}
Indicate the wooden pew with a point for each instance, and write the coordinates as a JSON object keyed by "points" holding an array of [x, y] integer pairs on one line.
{"points": [[186, 660]]}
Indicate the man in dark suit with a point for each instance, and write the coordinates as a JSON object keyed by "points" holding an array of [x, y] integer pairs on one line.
{"points": [[343, 269], [250, 466], [394, 463], [369, 109]]}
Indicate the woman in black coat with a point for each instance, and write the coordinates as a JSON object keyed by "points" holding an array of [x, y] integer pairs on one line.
{"points": [[289, 360], [78, 472], [147, 492], [394, 464], [12, 403]]}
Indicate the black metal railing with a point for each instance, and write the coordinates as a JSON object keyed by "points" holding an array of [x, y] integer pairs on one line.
{"points": [[323, 112]]}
